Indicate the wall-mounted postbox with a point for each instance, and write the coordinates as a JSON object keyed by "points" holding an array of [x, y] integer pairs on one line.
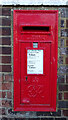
{"points": [[35, 60]]}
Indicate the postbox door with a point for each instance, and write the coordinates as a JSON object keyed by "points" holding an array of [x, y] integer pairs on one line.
{"points": [[35, 82]]}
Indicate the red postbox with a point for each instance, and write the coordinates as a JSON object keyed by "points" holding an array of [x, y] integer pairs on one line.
{"points": [[35, 60]]}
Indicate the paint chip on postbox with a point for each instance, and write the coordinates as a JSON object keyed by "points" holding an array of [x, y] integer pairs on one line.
{"points": [[34, 61]]}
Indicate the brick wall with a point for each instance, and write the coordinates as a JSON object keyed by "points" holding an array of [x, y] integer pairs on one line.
{"points": [[6, 67]]}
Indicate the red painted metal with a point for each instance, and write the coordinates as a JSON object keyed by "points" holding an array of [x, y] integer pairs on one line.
{"points": [[35, 92]]}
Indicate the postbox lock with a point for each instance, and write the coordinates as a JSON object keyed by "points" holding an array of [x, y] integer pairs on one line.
{"points": [[26, 78]]}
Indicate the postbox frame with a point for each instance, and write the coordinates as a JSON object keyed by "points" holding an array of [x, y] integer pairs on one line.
{"points": [[16, 48]]}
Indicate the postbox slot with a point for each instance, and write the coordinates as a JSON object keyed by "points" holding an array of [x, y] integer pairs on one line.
{"points": [[35, 29]]}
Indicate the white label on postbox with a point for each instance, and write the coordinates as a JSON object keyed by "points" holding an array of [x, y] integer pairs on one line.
{"points": [[34, 61]]}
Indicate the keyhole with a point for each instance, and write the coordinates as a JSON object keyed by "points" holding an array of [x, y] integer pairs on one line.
{"points": [[26, 78]]}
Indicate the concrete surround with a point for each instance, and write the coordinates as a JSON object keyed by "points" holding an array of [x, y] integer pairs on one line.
{"points": [[33, 2]]}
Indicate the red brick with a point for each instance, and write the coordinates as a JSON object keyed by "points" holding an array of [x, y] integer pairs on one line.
{"points": [[61, 60], [66, 78], [66, 23], [60, 96], [2, 94], [5, 31], [2, 111], [65, 95], [63, 104], [5, 68], [5, 21], [5, 50], [6, 103], [6, 59], [66, 42], [65, 112], [8, 77], [63, 87], [7, 86], [66, 60], [9, 95], [5, 40], [60, 78], [6, 11]]}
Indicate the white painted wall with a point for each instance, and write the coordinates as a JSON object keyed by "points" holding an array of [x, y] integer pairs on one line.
{"points": [[34, 2]]}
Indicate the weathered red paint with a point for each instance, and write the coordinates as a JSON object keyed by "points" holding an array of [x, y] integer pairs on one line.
{"points": [[35, 92]]}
